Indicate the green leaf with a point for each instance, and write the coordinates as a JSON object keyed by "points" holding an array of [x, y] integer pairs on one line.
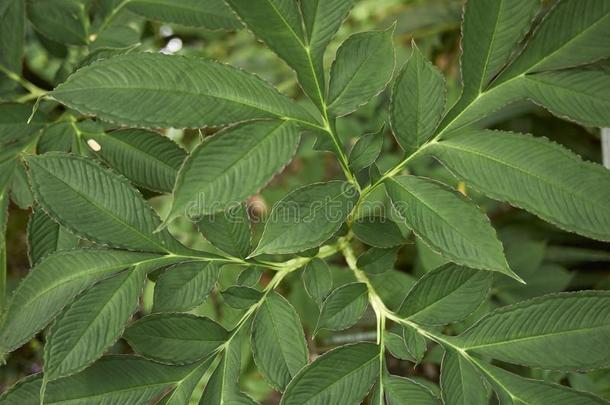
{"points": [[250, 276], [377, 260], [90, 325], [340, 376], [46, 236], [581, 94], [175, 338], [566, 331], [64, 21], [378, 231], [232, 165], [208, 14], [183, 391], [278, 341], [317, 279], [447, 294], [362, 69], [146, 158], [460, 381], [48, 287], [57, 137], [448, 222], [307, 217], [21, 194], [513, 389], [366, 150], [14, 125], [229, 230], [185, 286], [397, 347], [418, 101], [127, 89], [241, 297], [534, 174], [572, 34], [12, 35], [391, 286], [545, 279], [343, 307], [399, 390], [416, 343], [95, 203], [25, 392]]}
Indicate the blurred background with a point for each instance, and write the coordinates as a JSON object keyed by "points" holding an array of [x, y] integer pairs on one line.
{"points": [[550, 260]]}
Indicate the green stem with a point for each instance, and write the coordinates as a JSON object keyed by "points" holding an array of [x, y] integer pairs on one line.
{"points": [[35, 91]]}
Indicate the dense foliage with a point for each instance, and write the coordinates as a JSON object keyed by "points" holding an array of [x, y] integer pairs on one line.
{"points": [[435, 262]]}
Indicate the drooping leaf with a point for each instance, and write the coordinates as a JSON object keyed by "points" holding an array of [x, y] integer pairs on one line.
{"points": [[362, 69], [399, 390], [184, 286], [226, 169], [208, 14], [340, 376], [229, 230], [418, 101], [64, 21], [12, 35], [48, 288], [461, 383], [307, 217], [447, 294], [378, 231], [175, 338], [317, 279], [147, 158], [128, 88], [448, 222], [568, 331], [366, 150], [90, 325], [343, 307], [46, 236], [241, 297], [95, 203], [278, 341], [532, 173], [377, 260]]}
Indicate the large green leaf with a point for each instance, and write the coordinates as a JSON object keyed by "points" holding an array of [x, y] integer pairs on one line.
{"points": [[448, 222], [46, 236], [307, 217], [228, 230], [278, 341], [48, 287], [534, 174], [573, 33], [64, 21], [229, 167], [581, 94], [461, 383], [147, 158], [362, 68], [340, 376], [184, 286], [418, 101], [447, 294], [209, 14], [96, 203], [399, 390], [343, 307], [90, 325], [12, 35], [568, 331], [175, 338], [128, 89]]}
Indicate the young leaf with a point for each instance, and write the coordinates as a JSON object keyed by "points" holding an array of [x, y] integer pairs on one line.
{"points": [[340, 376], [566, 331], [378, 231], [241, 297], [366, 150], [343, 307], [175, 338], [377, 261], [229, 231], [399, 390], [317, 279], [95, 203], [184, 286], [535, 174], [128, 88], [208, 14], [448, 222], [447, 294], [307, 217], [46, 236], [460, 381], [416, 343], [278, 342], [88, 327], [362, 69], [147, 158], [64, 21], [48, 288], [418, 101], [231, 166]]}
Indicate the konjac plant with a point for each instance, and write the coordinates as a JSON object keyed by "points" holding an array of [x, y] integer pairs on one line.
{"points": [[375, 276]]}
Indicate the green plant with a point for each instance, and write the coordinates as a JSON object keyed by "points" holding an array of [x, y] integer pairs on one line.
{"points": [[88, 290]]}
